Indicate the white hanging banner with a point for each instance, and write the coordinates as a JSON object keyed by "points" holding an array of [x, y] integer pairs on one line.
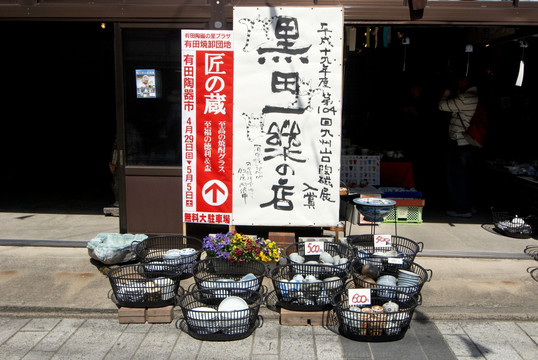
{"points": [[287, 115], [519, 80]]}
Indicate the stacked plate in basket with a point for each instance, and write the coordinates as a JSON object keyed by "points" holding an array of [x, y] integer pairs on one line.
{"points": [[394, 288], [208, 316], [408, 278]]}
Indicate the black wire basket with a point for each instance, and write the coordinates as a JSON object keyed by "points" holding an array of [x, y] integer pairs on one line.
{"points": [[381, 320], [227, 277], [169, 251], [341, 254], [415, 271], [399, 256], [203, 318], [134, 286], [508, 223], [307, 287]]}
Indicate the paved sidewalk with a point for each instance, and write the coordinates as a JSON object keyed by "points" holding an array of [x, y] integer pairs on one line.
{"points": [[69, 338], [481, 303]]}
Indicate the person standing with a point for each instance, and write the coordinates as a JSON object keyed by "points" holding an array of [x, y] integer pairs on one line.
{"points": [[462, 106]]}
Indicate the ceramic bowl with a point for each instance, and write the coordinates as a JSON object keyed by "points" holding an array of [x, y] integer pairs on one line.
{"points": [[204, 320], [374, 209]]}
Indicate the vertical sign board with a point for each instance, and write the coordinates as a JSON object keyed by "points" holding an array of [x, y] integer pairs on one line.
{"points": [[207, 115], [287, 115]]}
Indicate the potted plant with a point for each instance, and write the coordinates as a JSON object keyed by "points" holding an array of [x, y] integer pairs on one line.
{"points": [[237, 247]]}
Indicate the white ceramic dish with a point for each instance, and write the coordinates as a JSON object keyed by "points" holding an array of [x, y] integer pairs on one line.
{"points": [[172, 254], [233, 303], [187, 251], [204, 320]]}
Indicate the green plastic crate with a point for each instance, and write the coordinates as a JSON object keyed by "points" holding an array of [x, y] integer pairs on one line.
{"points": [[405, 215]]}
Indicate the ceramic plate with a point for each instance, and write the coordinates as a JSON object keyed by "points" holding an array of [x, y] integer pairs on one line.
{"points": [[408, 273], [187, 251], [233, 303]]}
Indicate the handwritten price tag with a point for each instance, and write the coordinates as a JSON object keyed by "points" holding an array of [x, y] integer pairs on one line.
{"points": [[382, 241], [314, 247], [359, 297]]}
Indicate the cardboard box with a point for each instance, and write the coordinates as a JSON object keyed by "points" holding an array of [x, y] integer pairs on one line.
{"points": [[301, 318]]}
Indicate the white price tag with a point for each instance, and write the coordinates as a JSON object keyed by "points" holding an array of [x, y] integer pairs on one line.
{"points": [[313, 247], [395, 261], [382, 241], [359, 297]]}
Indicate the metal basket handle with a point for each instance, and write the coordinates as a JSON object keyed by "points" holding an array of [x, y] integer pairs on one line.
{"points": [[134, 244], [419, 299], [430, 274], [263, 291], [260, 321], [192, 287], [420, 246]]}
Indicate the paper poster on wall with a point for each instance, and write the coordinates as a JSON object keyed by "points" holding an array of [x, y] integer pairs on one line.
{"points": [[287, 115], [148, 83], [207, 119]]}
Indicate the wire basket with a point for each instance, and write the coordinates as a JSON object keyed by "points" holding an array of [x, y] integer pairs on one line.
{"points": [[223, 275], [179, 252], [406, 285], [203, 318], [341, 254], [381, 320], [307, 287], [134, 286], [510, 224], [399, 256]]}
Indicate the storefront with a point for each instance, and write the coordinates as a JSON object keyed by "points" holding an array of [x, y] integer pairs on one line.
{"points": [[385, 54]]}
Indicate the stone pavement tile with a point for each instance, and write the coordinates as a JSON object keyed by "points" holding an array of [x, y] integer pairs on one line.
{"points": [[463, 346], [407, 348], [490, 340], [91, 341], [266, 339], [186, 347], [296, 342], [138, 328], [328, 347], [38, 355], [530, 327], [265, 357], [126, 346], [518, 339], [40, 324], [238, 349], [20, 344], [57, 336], [322, 330], [431, 341], [8, 327], [158, 342], [448, 327], [355, 349]]}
